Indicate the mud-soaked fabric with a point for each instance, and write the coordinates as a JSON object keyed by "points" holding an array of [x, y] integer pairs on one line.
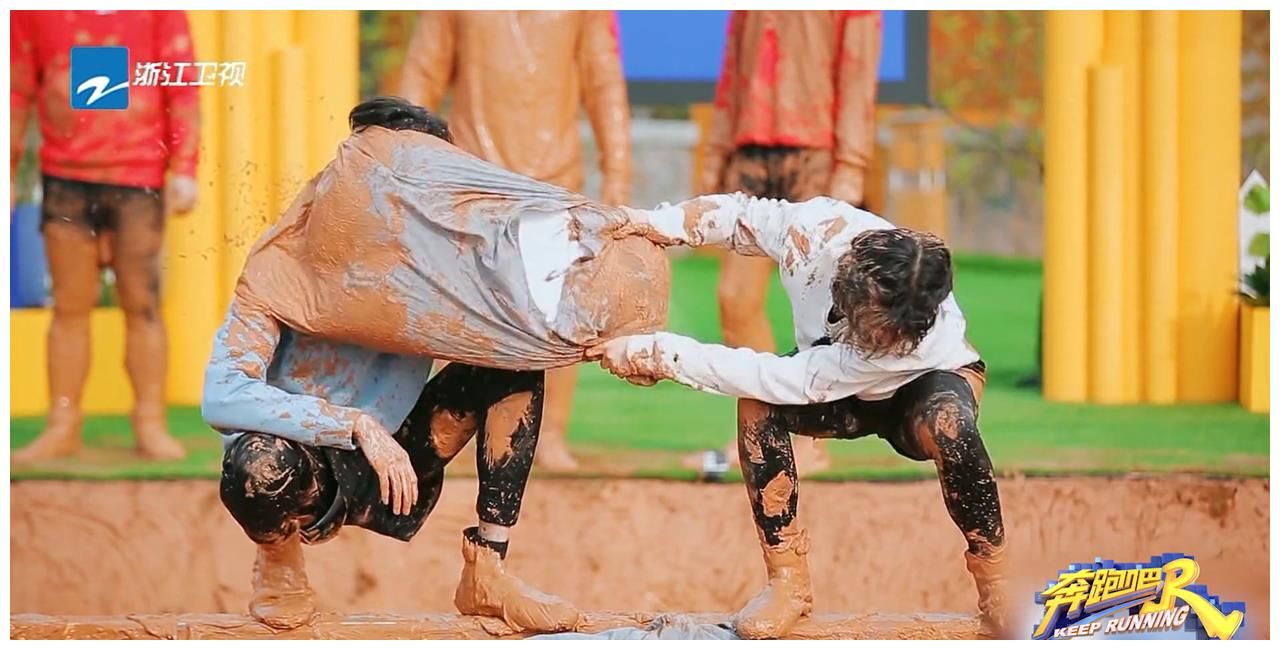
{"points": [[97, 207], [407, 245], [274, 487], [785, 173], [934, 417]]}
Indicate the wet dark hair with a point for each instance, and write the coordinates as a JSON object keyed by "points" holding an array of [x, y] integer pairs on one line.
{"points": [[889, 286], [397, 114]]}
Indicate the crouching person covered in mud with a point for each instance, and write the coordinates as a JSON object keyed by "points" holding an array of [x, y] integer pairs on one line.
{"points": [[882, 350], [405, 250]]}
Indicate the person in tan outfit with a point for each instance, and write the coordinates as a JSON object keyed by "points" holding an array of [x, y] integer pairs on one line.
{"points": [[794, 119], [518, 80]]}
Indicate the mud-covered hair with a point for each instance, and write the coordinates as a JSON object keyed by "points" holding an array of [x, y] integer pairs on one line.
{"points": [[889, 285], [397, 114]]}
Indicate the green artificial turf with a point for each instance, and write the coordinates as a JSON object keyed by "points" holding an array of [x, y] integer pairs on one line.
{"points": [[621, 429]]}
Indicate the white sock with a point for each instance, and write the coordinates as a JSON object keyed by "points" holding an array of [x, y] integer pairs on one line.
{"points": [[494, 532]]}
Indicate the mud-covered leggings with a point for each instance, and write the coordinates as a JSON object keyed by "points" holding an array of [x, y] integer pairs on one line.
{"points": [[274, 487], [935, 417]]}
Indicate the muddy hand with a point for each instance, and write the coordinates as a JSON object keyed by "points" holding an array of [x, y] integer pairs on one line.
{"points": [[626, 357], [397, 482], [180, 194]]}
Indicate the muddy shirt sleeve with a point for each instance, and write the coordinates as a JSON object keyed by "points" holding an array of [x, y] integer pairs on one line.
{"points": [[428, 64], [787, 232], [820, 374], [237, 396]]}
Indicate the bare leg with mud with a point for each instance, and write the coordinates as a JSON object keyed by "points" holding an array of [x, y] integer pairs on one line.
{"points": [[135, 253], [72, 251], [553, 445], [769, 470], [505, 450]]}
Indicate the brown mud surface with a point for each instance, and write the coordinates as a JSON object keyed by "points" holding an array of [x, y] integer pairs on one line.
{"points": [[114, 548]]}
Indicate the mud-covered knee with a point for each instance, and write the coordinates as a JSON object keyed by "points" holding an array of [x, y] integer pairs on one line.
{"points": [[946, 425]]}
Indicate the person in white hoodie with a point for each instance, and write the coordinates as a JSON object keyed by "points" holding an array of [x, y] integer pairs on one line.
{"points": [[881, 350]]}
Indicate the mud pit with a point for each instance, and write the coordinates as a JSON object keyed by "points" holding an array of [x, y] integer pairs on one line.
{"points": [[115, 548]]}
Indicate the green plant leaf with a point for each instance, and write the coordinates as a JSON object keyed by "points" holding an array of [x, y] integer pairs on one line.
{"points": [[1258, 200], [1260, 245], [1257, 283]]}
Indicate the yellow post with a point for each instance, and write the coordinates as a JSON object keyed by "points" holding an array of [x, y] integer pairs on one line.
{"points": [[1121, 50], [1072, 43], [241, 182], [332, 37], [193, 242], [1208, 180], [288, 126], [1106, 246], [1159, 252]]}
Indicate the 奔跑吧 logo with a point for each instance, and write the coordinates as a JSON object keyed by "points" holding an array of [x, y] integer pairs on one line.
{"points": [[1159, 598], [100, 78]]}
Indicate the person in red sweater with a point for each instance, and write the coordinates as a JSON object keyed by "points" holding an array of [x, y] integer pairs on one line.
{"points": [[109, 178], [794, 119]]}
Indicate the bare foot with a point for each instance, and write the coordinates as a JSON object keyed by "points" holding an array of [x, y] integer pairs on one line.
{"points": [[60, 438], [486, 589], [151, 434], [553, 453], [282, 598], [786, 598]]}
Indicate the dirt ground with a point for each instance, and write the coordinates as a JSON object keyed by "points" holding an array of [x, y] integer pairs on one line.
{"points": [[612, 544]]}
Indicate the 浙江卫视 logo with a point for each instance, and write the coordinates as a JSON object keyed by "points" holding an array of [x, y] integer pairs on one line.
{"points": [[100, 78], [1141, 599]]}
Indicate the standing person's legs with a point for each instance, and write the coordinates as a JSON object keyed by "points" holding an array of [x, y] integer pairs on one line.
{"points": [[787, 173], [136, 221], [553, 450], [71, 245], [744, 281]]}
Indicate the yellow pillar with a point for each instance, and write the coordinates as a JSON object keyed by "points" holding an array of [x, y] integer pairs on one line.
{"points": [[1073, 40], [242, 186], [1159, 206], [332, 37], [193, 242], [1106, 245], [1208, 179], [287, 126], [1121, 50]]}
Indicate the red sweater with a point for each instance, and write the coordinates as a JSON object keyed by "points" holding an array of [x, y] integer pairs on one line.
{"points": [[134, 147]]}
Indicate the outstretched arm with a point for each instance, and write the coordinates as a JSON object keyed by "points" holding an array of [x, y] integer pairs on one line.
{"points": [[784, 231], [820, 374]]}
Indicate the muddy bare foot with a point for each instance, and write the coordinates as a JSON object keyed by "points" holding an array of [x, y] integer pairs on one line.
{"points": [[993, 610], [553, 454], [786, 598], [60, 438], [151, 434], [485, 589], [282, 598]]}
